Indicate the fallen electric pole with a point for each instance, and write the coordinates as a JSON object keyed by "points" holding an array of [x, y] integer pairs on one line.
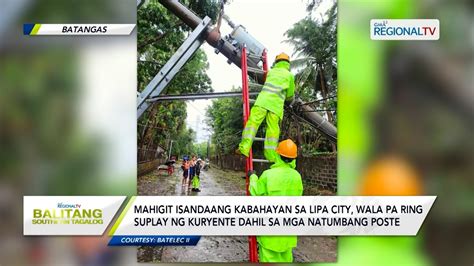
{"points": [[315, 120], [233, 54]]}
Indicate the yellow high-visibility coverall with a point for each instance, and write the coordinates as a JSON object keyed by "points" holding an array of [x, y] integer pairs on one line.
{"points": [[279, 86], [280, 180]]}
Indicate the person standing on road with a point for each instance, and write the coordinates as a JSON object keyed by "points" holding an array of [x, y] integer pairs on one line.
{"points": [[280, 180], [192, 170], [170, 164], [196, 182], [279, 87], [185, 167]]}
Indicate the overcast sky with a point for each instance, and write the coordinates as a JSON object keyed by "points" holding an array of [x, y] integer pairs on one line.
{"points": [[265, 20]]}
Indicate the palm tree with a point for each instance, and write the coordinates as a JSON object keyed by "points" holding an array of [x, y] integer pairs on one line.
{"points": [[315, 48]]}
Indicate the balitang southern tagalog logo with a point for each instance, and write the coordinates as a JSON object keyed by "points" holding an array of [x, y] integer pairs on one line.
{"points": [[67, 213], [404, 29]]}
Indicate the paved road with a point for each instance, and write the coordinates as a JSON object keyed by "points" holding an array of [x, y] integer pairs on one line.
{"points": [[216, 182]]}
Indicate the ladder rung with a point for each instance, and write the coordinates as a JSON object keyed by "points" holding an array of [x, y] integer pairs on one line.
{"points": [[259, 57], [252, 100], [260, 161], [252, 84], [254, 70], [259, 139]]}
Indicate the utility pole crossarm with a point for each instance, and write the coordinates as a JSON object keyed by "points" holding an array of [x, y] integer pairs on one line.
{"points": [[172, 67], [198, 96]]}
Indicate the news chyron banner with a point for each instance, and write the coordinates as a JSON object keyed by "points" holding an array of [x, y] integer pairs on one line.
{"points": [[175, 220], [33, 29]]}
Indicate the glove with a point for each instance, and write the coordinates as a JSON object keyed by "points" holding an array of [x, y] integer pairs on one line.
{"points": [[290, 102], [250, 172]]}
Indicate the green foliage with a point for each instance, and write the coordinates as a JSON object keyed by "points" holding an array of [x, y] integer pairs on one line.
{"points": [[315, 46], [201, 149], [160, 33], [184, 143], [224, 116]]}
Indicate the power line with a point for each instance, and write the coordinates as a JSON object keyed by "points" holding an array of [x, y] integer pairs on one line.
{"points": [[197, 109], [318, 100]]}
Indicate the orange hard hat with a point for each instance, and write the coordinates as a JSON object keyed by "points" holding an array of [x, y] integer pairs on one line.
{"points": [[391, 176], [282, 56], [287, 148]]}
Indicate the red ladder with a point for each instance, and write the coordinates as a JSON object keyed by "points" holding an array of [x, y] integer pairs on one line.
{"points": [[253, 255]]}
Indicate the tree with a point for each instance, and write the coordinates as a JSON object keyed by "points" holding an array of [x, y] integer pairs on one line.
{"points": [[315, 47], [183, 144], [201, 149], [160, 34], [224, 117]]}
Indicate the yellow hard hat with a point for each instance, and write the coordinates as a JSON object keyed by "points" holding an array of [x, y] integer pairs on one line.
{"points": [[287, 148], [282, 56]]}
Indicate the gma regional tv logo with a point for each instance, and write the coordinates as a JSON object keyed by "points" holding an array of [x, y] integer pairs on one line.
{"points": [[404, 29], [67, 213]]}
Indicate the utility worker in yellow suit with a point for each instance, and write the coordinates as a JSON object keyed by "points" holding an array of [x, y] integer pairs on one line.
{"points": [[280, 180], [279, 87]]}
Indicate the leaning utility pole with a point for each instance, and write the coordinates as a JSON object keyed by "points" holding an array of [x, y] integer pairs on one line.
{"points": [[203, 31]]}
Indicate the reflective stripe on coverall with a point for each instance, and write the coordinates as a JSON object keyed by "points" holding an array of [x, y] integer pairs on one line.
{"points": [[280, 180], [272, 133], [279, 86]]}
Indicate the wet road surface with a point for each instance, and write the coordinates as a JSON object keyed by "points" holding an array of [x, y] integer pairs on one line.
{"points": [[217, 182]]}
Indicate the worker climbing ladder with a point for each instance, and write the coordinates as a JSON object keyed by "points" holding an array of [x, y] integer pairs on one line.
{"points": [[253, 255]]}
